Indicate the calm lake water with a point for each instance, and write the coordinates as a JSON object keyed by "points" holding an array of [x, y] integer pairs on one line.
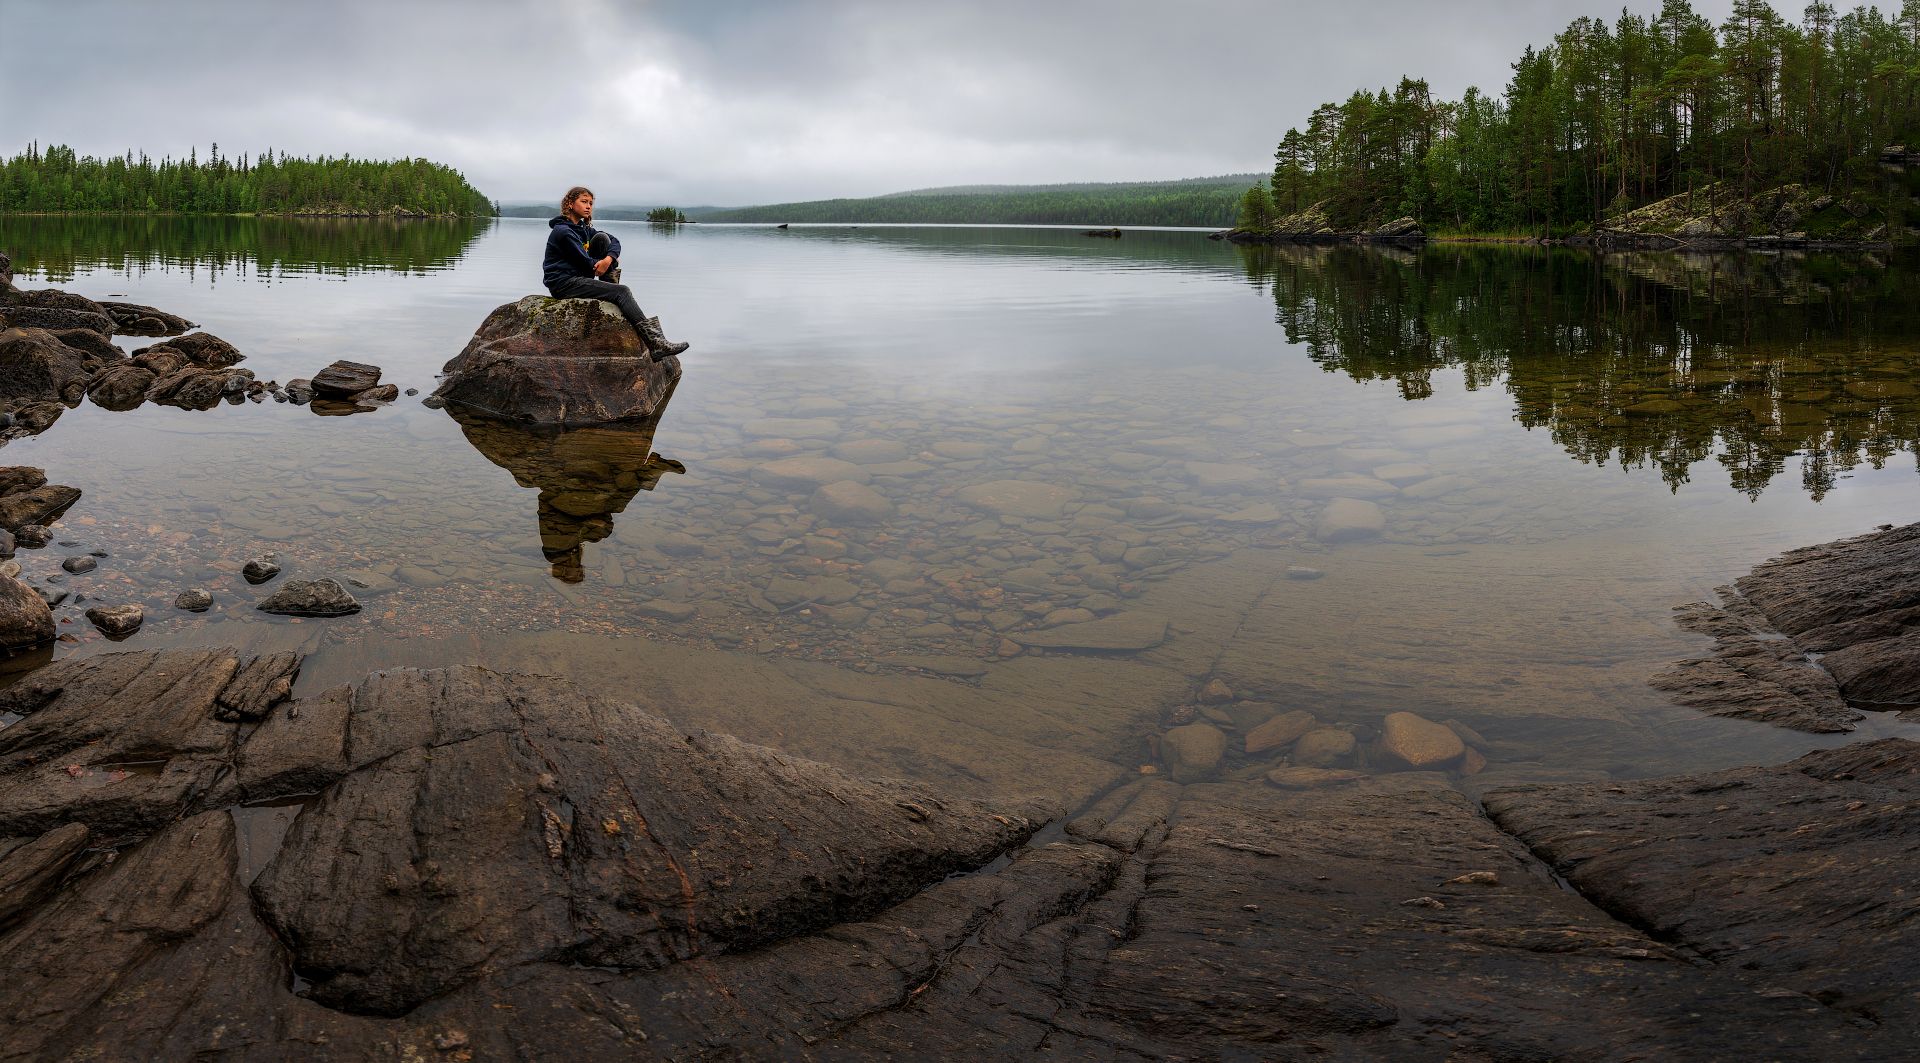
{"points": [[1054, 429]]}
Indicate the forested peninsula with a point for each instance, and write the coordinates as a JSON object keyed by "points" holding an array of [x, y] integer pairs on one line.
{"points": [[54, 180], [1661, 128], [1205, 201]]}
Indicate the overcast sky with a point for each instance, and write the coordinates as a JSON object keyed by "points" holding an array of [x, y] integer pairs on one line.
{"points": [[741, 101]]}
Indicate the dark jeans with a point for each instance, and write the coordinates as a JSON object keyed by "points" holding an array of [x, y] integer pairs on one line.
{"points": [[594, 288]]}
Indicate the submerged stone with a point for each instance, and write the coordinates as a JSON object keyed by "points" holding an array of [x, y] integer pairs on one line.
{"points": [[1122, 632], [310, 597]]}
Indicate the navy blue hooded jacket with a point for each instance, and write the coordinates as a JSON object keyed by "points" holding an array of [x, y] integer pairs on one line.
{"points": [[567, 250]]}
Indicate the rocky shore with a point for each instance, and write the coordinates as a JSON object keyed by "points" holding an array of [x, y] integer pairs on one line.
{"points": [[467, 865], [1718, 218], [1314, 226]]}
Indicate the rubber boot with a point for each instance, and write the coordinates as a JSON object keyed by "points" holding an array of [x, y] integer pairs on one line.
{"points": [[657, 341]]}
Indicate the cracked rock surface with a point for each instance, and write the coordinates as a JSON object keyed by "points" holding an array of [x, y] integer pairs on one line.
{"points": [[497, 866], [1809, 638]]}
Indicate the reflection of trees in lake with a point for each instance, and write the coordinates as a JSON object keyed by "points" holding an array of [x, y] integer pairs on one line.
{"points": [[61, 246], [1650, 360]]}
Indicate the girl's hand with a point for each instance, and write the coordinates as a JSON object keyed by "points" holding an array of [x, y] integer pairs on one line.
{"points": [[603, 265]]}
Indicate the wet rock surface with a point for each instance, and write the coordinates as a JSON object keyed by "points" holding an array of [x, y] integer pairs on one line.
{"points": [[344, 379], [25, 618], [1809, 639], [310, 597], [566, 362], [508, 867], [1726, 864], [116, 621], [27, 499]]}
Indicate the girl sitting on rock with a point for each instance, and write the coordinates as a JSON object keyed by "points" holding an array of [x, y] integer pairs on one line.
{"points": [[583, 263]]}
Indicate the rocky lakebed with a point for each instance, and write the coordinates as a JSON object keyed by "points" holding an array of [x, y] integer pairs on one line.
{"points": [[212, 852]]}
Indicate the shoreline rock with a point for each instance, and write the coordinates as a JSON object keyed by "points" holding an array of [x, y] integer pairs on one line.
{"points": [[509, 867], [1812, 639], [456, 860], [560, 362]]}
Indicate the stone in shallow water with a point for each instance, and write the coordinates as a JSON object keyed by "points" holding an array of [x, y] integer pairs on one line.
{"points": [[1019, 498], [1323, 747], [1348, 520], [1122, 632], [1400, 474], [1416, 743], [824, 590], [806, 473], [310, 597], [1280, 731], [870, 451], [25, 619], [116, 621], [196, 600], [259, 570], [847, 502], [1193, 751]]}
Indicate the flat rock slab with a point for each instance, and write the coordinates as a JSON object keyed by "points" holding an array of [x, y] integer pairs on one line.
{"points": [[344, 379], [1852, 605], [1122, 632], [508, 868], [1799, 875]]}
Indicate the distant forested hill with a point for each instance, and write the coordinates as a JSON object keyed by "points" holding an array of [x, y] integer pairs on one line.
{"points": [[56, 180], [1208, 201]]}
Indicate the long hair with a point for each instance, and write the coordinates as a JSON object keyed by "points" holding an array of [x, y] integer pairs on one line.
{"points": [[573, 193]]}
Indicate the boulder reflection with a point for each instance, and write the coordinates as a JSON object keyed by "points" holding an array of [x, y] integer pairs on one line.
{"points": [[1651, 360], [585, 476]]}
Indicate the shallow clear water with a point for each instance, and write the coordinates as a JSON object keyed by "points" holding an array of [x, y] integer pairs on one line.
{"points": [[1562, 449]]}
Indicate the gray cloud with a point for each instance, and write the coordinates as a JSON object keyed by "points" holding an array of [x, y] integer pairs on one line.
{"points": [[739, 101]]}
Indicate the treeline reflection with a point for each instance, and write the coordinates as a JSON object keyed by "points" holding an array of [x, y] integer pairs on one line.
{"points": [[61, 246], [1657, 361]]}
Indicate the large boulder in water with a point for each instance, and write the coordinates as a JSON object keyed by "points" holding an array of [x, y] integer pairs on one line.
{"points": [[566, 362], [35, 367], [51, 308]]}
